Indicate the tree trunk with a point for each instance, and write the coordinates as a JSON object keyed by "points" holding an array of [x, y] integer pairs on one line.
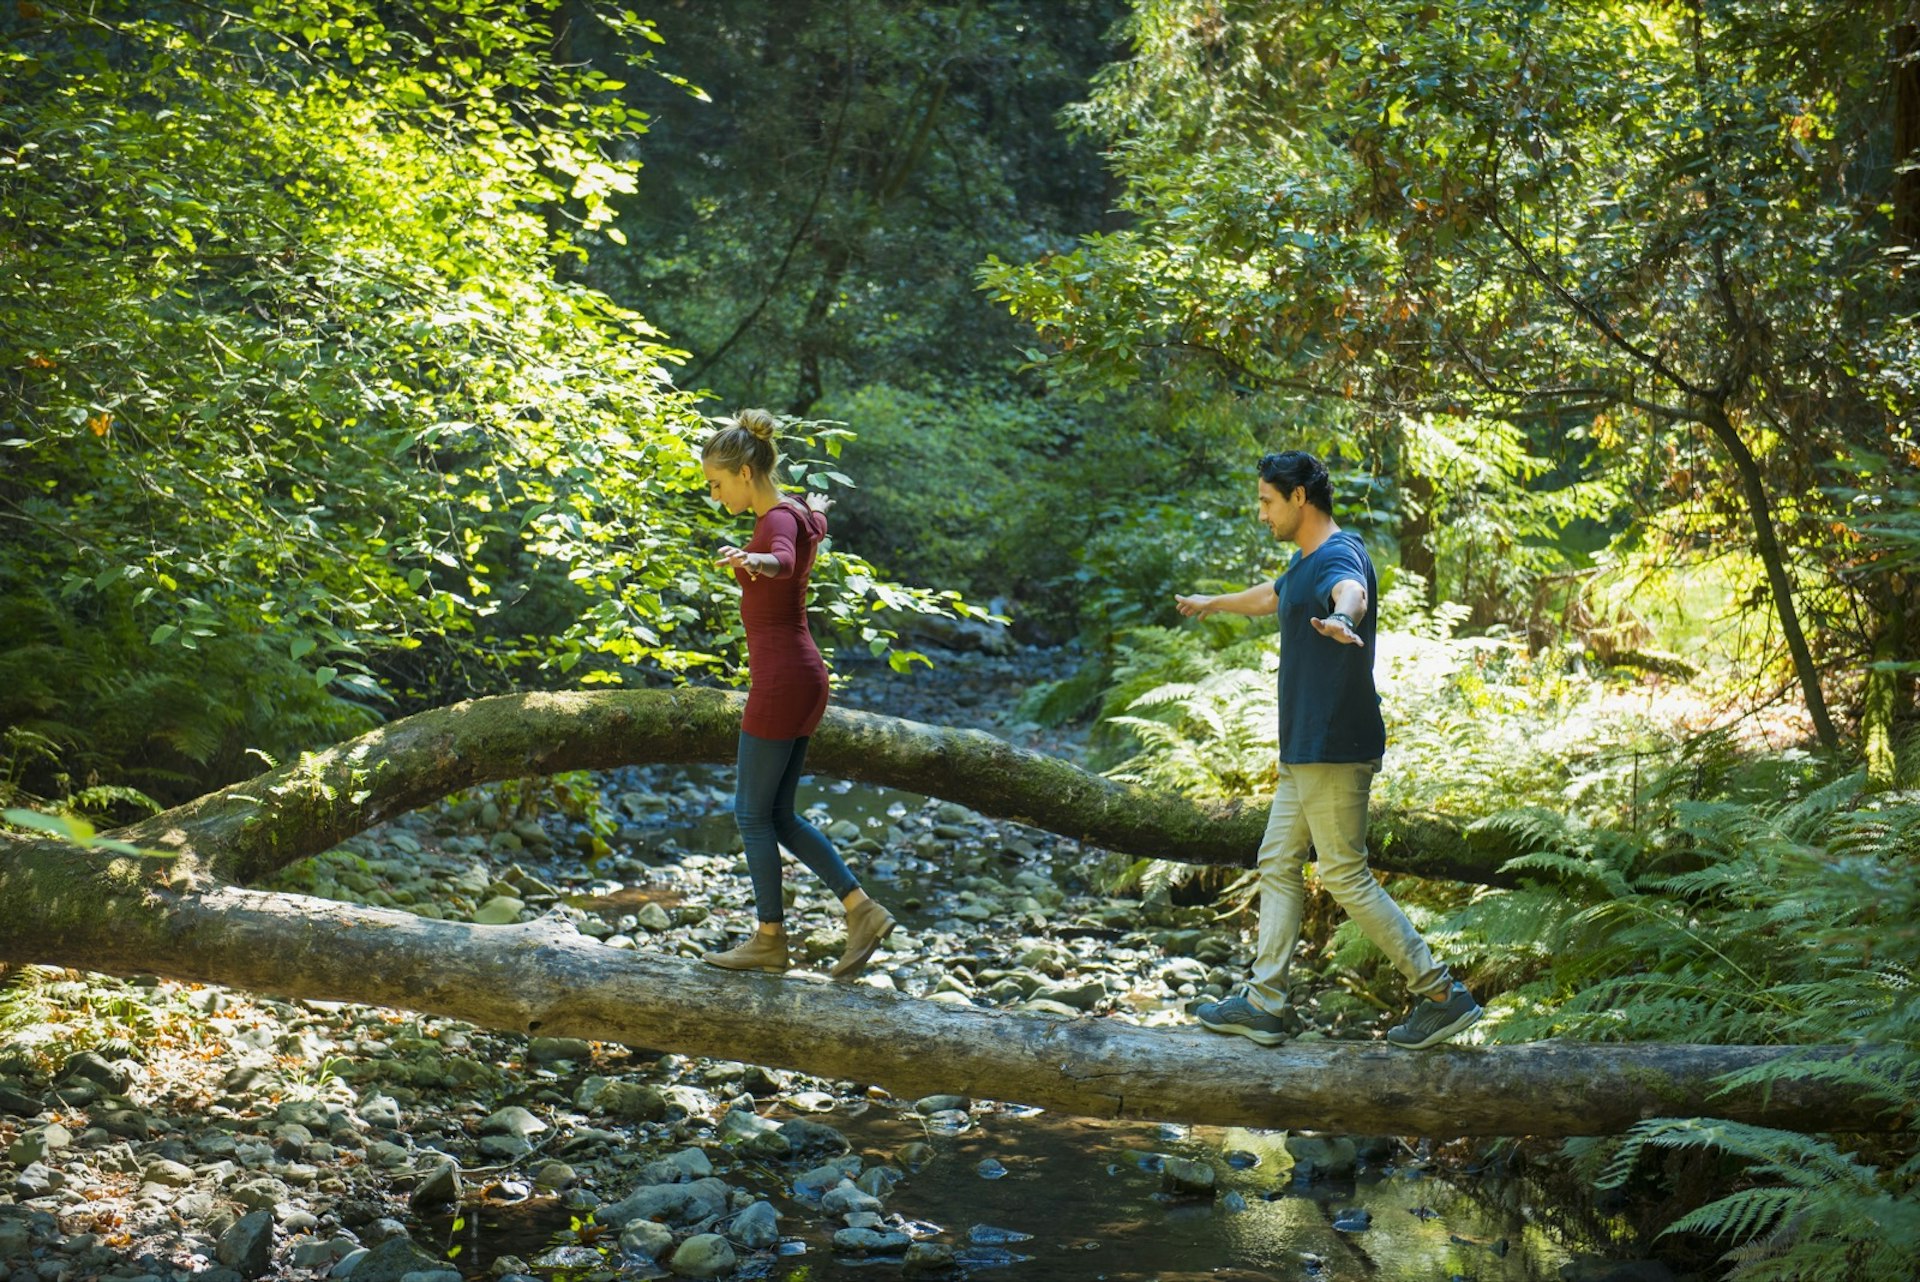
{"points": [[541, 977], [158, 903], [1906, 128], [1767, 543], [244, 832]]}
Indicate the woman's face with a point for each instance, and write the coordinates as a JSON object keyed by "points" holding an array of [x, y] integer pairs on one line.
{"points": [[733, 490]]}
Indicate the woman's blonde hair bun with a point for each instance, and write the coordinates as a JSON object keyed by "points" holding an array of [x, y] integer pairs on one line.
{"points": [[759, 422], [746, 439]]}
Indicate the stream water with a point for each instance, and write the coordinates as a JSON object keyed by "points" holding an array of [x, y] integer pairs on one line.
{"points": [[1021, 1193]]}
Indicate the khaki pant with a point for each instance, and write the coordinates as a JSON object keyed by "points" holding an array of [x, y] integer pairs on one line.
{"points": [[1324, 807]]}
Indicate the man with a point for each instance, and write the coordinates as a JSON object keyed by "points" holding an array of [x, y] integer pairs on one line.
{"points": [[1331, 742]]}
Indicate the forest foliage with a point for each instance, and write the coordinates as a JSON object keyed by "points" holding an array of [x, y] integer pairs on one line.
{"points": [[353, 359]]}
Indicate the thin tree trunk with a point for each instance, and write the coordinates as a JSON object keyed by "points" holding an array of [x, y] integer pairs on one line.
{"points": [[1767, 543]]}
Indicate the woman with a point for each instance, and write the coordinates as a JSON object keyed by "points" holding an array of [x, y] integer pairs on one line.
{"points": [[786, 697]]}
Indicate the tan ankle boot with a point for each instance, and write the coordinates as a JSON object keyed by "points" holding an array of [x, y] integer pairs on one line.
{"points": [[867, 925], [764, 950]]}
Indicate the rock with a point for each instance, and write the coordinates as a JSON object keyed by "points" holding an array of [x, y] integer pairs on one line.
{"points": [[842, 831], [19, 1103], [545, 1050], [16, 1239], [654, 918], [36, 1180], [693, 1163], [129, 1123], [772, 1146], [648, 1238], [704, 1255], [501, 910], [439, 1186], [290, 1139], [512, 1120], [632, 1102], [675, 1203], [310, 1113], [1354, 1219], [34, 1145], [391, 1261], [815, 1183], [849, 1197], [387, 1154], [504, 1147], [879, 1180], [114, 1076], [1084, 995], [1322, 1158], [382, 1111], [941, 1104], [349, 1262], [871, 1242], [928, 1256], [555, 1175], [742, 1123], [247, 1247], [260, 1193], [813, 1137], [756, 1227], [1186, 1178], [915, 1155], [440, 1274], [171, 1174]]}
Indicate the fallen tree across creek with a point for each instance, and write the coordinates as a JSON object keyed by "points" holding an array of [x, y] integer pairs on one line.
{"points": [[178, 908]]}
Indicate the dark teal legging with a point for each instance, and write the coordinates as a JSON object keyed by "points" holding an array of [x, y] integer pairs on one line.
{"points": [[768, 773]]}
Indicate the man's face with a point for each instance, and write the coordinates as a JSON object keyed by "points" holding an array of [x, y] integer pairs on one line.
{"points": [[1281, 513]]}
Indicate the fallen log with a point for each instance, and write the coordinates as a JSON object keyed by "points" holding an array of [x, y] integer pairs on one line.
{"points": [[542, 977], [250, 829], [164, 902]]}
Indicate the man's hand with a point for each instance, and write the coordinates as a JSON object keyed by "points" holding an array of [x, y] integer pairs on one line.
{"points": [[1194, 605], [1335, 625]]}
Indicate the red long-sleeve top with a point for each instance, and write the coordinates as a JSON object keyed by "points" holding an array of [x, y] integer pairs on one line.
{"points": [[787, 690]]}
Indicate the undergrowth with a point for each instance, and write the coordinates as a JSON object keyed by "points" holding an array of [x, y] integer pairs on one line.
{"points": [[1672, 888]]}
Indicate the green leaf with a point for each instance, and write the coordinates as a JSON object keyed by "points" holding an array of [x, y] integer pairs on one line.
{"points": [[67, 826]]}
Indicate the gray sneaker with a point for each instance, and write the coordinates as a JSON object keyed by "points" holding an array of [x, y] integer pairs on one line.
{"points": [[1432, 1022], [1236, 1014]]}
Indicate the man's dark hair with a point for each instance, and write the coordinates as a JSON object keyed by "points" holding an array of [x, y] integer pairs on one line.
{"points": [[1289, 470]]}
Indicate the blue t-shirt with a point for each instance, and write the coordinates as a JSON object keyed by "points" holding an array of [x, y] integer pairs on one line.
{"points": [[1329, 710]]}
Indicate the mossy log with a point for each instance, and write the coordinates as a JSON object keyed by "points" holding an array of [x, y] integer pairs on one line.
{"points": [[176, 911], [243, 832]]}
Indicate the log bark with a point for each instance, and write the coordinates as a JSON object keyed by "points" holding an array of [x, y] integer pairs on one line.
{"points": [[541, 977], [173, 910]]}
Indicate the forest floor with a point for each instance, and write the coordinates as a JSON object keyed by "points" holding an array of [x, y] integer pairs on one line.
{"points": [[154, 1130]]}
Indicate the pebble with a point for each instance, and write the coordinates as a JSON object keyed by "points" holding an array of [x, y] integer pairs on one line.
{"points": [[1186, 1178], [647, 1237], [871, 1242], [440, 1185], [247, 1247], [704, 1255], [757, 1227]]}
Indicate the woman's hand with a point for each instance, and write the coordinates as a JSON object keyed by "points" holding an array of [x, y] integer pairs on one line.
{"points": [[819, 502], [739, 559]]}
